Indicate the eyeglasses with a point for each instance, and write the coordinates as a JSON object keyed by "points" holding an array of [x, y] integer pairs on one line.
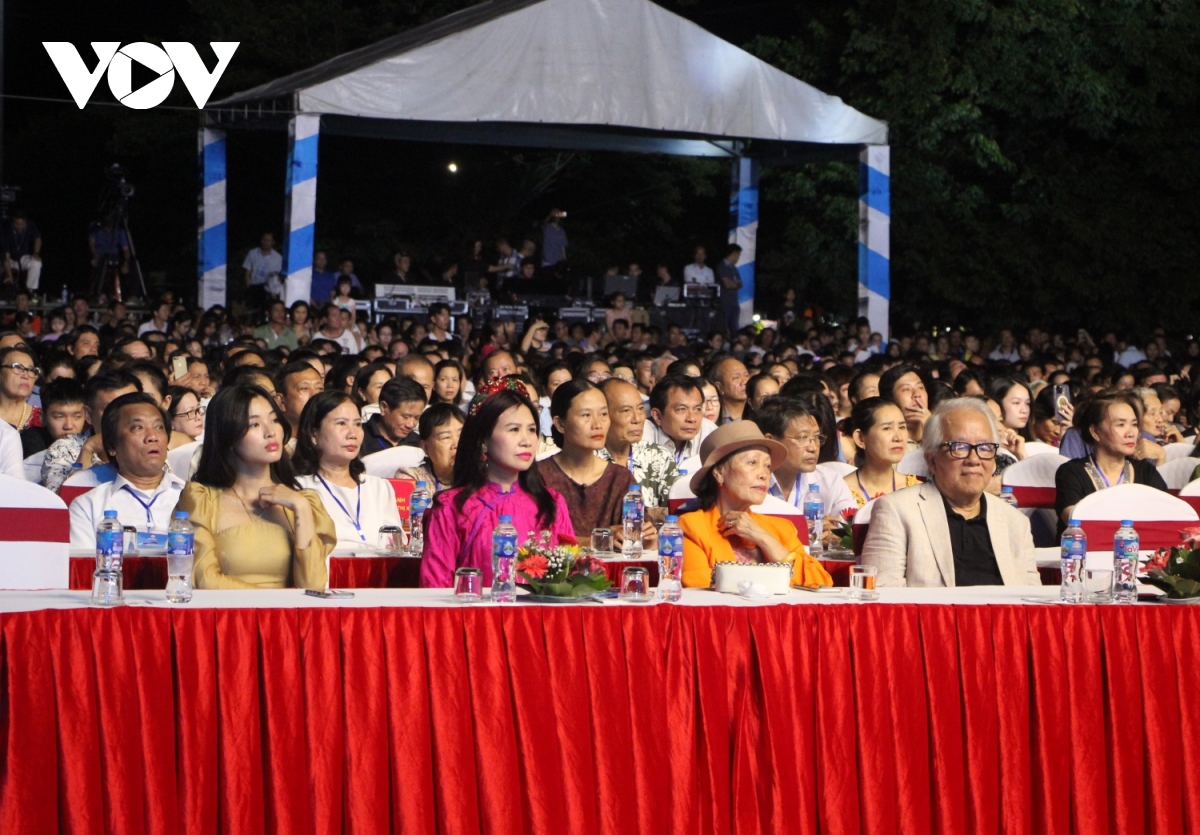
{"points": [[710, 401], [192, 414], [961, 449], [23, 370], [805, 440]]}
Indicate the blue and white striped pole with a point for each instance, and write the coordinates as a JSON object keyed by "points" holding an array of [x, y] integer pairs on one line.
{"points": [[213, 236], [300, 215], [874, 233], [743, 229]]}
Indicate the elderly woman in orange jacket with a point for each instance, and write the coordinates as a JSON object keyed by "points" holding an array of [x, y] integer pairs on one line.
{"points": [[735, 475]]}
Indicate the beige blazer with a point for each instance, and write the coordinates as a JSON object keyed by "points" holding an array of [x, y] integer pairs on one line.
{"points": [[909, 540]]}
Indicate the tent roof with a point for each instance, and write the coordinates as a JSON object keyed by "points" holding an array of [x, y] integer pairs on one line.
{"points": [[567, 73]]}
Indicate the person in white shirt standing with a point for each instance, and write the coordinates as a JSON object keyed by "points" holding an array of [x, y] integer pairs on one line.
{"points": [[698, 272], [144, 493], [261, 264]]}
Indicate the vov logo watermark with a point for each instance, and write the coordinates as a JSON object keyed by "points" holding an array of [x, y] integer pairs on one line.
{"points": [[118, 61]]}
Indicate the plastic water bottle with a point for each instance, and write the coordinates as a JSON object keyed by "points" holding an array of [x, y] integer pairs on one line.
{"points": [[418, 503], [1125, 563], [108, 587], [1074, 555], [633, 513], [1006, 496], [181, 556], [504, 560], [814, 512], [65, 297], [670, 559]]}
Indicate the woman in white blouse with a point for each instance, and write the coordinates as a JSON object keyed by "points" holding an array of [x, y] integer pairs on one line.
{"points": [[326, 461]]}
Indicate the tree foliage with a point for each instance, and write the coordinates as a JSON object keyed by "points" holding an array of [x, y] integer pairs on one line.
{"points": [[1041, 164]]}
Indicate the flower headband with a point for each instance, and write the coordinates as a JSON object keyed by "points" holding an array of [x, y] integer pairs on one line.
{"points": [[496, 386]]}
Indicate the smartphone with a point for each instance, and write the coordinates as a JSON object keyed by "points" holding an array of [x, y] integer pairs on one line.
{"points": [[179, 367], [330, 594], [1062, 397]]}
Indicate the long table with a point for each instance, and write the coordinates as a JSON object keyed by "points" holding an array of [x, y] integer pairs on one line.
{"points": [[399, 711]]}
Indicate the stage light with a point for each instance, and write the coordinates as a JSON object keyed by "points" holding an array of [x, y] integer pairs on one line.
{"points": [[453, 167]]}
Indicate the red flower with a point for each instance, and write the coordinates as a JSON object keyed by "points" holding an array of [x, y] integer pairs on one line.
{"points": [[848, 513], [535, 566], [566, 539], [1159, 559]]}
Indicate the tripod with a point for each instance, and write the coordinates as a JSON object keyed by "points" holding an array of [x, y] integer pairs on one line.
{"points": [[111, 265]]}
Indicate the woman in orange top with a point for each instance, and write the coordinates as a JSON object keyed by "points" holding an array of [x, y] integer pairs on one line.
{"points": [[736, 473]]}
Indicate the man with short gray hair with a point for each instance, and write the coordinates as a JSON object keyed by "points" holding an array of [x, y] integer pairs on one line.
{"points": [[948, 531]]}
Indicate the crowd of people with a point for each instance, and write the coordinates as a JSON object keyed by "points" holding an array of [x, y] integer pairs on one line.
{"points": [[551, 423]]}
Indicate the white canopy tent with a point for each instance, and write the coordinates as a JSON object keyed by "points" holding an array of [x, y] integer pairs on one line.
{"points": [[624, 75]]}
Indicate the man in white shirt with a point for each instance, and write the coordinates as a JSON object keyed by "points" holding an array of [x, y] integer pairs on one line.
{"points": [[262, 264], [334, 330], [159, 321], [143, 493], [1006, 351], [699, 272], [785, 419], [677, 419]]}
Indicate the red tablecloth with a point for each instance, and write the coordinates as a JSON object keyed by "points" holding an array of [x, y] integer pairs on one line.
{"points": [[590, 719], [344, 572]]}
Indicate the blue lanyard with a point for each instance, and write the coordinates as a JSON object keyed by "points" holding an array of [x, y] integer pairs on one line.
{"points": [[357, 510], [796, 501], [631, 458], [1103, 477], [145, 505]]}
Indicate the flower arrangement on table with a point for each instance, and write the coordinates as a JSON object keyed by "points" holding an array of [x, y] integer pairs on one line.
{"points": [[845, 531], [1177, 570], [559, 570]]}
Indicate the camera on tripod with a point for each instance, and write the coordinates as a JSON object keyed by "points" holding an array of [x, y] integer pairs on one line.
{"points": [[116, 176]]}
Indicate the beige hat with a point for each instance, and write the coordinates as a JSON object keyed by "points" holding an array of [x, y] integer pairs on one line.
{"points": [[730, 438]]}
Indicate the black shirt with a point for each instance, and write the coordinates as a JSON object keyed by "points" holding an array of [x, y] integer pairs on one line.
{"points": [[374, 439], [974, 559], [1072, 483]]}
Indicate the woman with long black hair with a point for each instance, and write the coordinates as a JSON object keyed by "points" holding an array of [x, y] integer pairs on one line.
{"points": [[495, 474], [255, 527]]}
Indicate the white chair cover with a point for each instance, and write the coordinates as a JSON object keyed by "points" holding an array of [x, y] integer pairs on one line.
{"points": [[35, 532], [1174, 451], [385, 462], [1178, 472]]}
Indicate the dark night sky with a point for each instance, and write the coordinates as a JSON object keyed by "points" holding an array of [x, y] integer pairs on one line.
{"points": [[374, 196]]}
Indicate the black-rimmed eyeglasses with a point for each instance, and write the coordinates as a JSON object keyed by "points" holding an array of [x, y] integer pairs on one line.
{"points": [[961, 449]]}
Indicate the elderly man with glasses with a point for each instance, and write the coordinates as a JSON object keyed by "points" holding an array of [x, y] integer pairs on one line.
{"points": [[948, 531]]}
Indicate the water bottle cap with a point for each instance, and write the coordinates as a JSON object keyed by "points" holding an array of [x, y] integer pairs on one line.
{"points": [[1006, 489], [1126, 523], [814, 488], [421, 484], [635, 488], [683, 472], [506, 519], [75, 465], [1073, 523], [110, 513], [181, 514], [672, 518]]}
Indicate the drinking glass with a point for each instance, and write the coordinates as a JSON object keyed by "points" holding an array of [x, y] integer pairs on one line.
{"points": [[179, 577], [390, 543], [468, 585], [635, 584], [862, 582], [602, 542], [1097, 585]]}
